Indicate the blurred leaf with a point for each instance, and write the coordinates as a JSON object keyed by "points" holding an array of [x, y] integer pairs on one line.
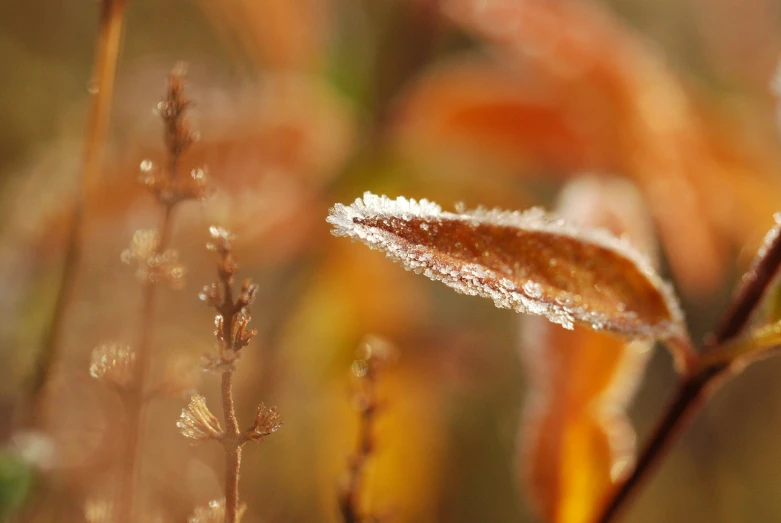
{"points": [[16, 478], [530, 262], [575, 438], [568, 87]]}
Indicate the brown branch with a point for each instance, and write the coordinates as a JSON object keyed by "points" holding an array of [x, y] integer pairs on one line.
{"points": [[136, 399], [231, 338], [232, 449], [169, 191], [109, 41], [365, 369], [695, 388]]}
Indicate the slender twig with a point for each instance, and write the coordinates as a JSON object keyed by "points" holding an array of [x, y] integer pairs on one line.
{"points": [[169, 190], [230, 441], [232, 449], [102, 91], [136, 399], [233, 316], [704, 379], [366, 369]]}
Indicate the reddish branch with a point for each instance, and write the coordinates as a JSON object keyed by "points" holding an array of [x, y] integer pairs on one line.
{"points": [[696, 387]]}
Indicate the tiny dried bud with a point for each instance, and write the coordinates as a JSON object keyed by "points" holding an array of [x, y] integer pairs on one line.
{"points": [[197, 186], [113, 363], [218, 327], [152, 265], [99, 511], [214, 512], [373, 354], [248, 293], [242, 336], [266, 422], [211, 295], [197, 422], [222, 239]]}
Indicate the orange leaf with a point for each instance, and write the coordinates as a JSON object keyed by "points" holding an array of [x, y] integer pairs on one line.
{"points": [[576, 439], [530, 262]]}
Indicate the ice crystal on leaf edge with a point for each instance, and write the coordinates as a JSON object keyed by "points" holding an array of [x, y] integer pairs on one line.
{"points": [[471, 278]]}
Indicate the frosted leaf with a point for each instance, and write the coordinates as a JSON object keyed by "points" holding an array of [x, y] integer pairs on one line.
{"points": [[113, 363], [575, 437], [197, 422], [214, 512], [509, 257]]}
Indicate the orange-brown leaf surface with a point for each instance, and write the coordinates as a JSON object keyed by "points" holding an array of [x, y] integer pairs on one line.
{"points": [[575, 439], [530, 262], [568, 88]]}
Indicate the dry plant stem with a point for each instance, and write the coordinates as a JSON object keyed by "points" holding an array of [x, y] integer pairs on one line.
{"points": [[232, 449], [112, 18], [349, 500], [232, 439], [697, 386], [136, 401]]}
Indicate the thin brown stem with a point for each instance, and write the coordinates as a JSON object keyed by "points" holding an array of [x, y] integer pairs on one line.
{"points": [[102, 92], [136, 405], [376, 355], [691, 394], [232, 449], [696, 387]]}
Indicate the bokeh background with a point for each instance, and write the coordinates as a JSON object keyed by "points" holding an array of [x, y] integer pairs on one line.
{"points": [[304, 103]]}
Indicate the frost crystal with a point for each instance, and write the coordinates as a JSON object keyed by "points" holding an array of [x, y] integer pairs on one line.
{"points": [[531, 262], [113, 363], [152, 265], [98, 511], [214, 512], [267, 422], [769, 239], [197, 422]]}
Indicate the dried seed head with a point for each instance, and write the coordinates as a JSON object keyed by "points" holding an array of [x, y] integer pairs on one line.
{"points": [[249, 291], [197, 422], [99, 511], [214, 512], [267, 422], [221, 237], [211, 295], [113, 363], [152, 266]]}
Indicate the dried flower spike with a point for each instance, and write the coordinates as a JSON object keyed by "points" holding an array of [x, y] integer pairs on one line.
{"points": [[99, 511], [214, 512], [113, 363], [267, 422], [153, 266], [197, 422], [530, 262]]}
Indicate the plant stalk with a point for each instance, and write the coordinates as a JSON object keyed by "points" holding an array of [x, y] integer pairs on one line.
{"points": [[232, 449], [109, 42], [136, 406], [705, 379]]}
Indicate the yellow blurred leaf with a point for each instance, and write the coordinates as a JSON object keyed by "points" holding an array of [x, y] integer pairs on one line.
{"points": [[575, 437], [567, 87]]}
